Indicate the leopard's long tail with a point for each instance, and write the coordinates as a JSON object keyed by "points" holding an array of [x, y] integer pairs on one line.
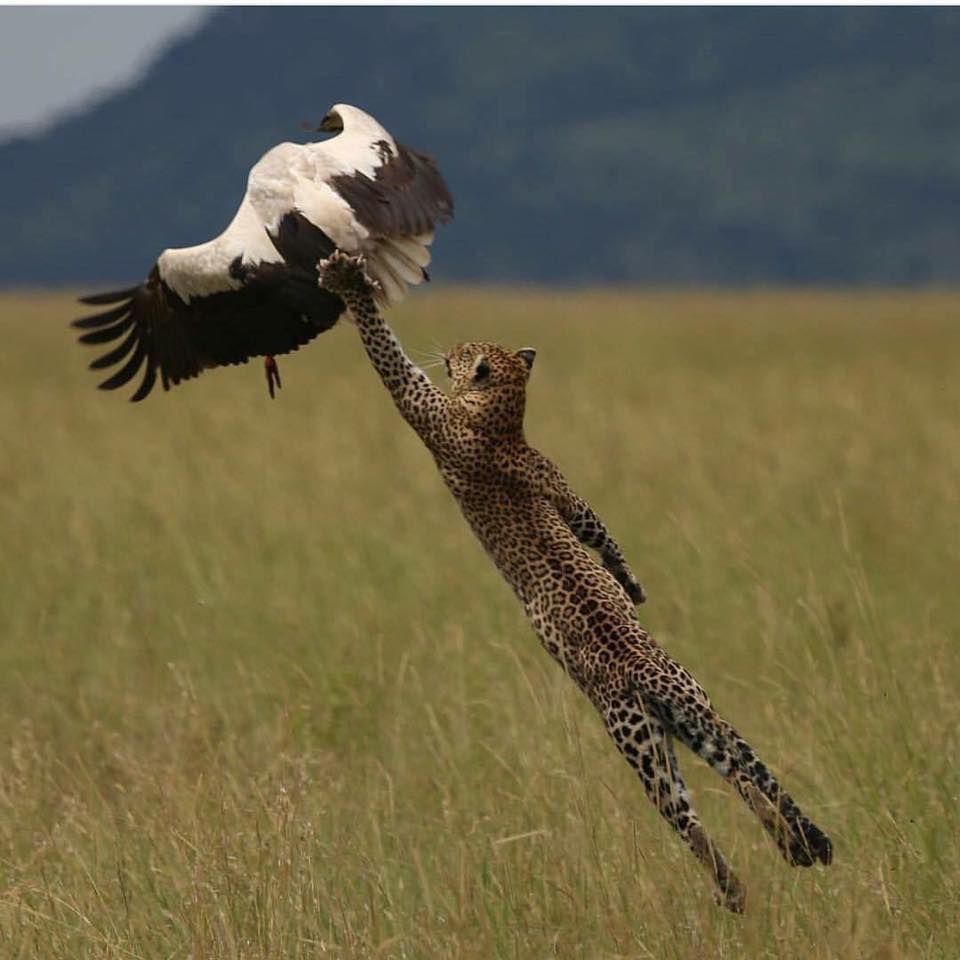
{"points": [[801, 841]]}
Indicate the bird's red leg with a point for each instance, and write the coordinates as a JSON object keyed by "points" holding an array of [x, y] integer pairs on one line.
{"points": [[273, 374]]}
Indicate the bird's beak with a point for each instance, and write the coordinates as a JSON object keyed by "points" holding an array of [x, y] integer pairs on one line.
{"points": [[313, 128]]}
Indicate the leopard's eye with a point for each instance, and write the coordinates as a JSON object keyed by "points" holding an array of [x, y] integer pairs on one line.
{"points": [[482, 371]]}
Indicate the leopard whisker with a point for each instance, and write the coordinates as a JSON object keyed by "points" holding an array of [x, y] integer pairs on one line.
{"points": [[428, 354]]}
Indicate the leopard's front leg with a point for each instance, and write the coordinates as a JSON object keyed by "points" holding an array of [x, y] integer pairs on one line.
{"points": [[422, 405]]}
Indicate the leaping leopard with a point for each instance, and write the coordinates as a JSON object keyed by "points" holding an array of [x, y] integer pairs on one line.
{"points": [[536, 530]]}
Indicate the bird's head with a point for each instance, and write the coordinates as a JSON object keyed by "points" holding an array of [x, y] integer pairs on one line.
{"points": [[332, 122], [489, 384], [342, 117]]}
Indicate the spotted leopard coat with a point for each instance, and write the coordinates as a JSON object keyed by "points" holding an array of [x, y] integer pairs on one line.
{"points": [[538, 533]]}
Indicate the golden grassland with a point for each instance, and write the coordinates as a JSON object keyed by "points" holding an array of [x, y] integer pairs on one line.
{"points": [[263, 696]]}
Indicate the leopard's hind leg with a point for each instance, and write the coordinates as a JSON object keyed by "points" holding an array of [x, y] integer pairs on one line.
{"points": [[646, 747]]}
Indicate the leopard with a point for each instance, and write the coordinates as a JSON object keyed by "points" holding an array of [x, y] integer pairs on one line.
{"points": [[540, 535]]}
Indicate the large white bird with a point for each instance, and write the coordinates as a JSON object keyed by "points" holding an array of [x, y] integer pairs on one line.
{"points": [[254, 290]]}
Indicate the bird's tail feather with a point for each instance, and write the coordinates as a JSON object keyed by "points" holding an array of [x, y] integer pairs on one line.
{"points": [[393, 288]]}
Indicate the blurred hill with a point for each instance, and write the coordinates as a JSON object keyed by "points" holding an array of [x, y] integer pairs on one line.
{"points": [[672, 145]]}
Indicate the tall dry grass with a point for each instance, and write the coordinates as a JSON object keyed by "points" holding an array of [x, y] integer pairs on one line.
{"points": [[262, 696]]}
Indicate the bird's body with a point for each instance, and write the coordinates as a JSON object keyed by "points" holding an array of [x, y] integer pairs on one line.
{"points": [[253, 290]]}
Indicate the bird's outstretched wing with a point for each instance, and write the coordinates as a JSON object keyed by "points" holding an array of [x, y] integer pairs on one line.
{"points": [[264, 309], [395, 197], [254, 290], [406, 195]]}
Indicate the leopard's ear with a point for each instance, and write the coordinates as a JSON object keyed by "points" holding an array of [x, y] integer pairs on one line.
{"points": [[527, 355]]}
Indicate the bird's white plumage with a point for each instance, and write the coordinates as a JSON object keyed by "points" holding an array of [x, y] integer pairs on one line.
{"points": [[292, 177], [205, 268], [325, 208]]}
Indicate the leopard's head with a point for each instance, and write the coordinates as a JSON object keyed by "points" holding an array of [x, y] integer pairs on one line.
{"points": [[489, 383]]}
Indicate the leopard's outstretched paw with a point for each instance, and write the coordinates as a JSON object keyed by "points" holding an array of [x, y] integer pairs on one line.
{"points": [[343, 273]]}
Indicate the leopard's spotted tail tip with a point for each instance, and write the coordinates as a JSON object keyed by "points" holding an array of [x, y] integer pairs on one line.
{"points": [[811, 845]]}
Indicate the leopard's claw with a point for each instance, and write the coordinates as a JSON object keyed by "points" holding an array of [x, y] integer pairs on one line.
{"points": [[343, 272]]}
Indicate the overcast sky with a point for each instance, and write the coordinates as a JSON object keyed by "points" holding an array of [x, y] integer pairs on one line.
{"points": [[53, 58]]}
